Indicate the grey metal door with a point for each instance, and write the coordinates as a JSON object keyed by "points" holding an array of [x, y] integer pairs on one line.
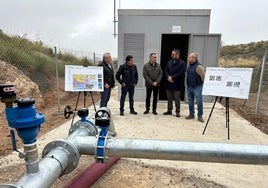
{"points": [[134, 45], [207, 46]]}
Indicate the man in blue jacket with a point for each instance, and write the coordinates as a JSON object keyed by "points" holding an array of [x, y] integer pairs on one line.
{"points": [[195, 79], [175, 74], [127, 76]]}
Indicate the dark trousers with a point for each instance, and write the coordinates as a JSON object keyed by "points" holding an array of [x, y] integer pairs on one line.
{"points": [[171, 94], [149, 91], [105, 97], [124, 90]]}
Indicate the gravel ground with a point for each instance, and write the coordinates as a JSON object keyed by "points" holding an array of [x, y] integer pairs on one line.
{"points": [[162, 173]]}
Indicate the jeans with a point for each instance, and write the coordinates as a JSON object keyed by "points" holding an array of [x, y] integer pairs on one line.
{"points": [[124, 90], [149, 91], [105, 97], [195, 92], [171, 94]]}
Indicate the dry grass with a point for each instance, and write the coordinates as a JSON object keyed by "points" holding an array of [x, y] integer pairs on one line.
{"points": [[239, 62]]}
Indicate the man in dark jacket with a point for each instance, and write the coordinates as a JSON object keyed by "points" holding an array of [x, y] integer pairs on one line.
{"points": [[127, 76], [152, 74], [175, 74], [108, 73], [195, 79]]}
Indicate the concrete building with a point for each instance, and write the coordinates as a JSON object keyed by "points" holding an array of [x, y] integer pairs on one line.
{"points": [[141, 32]]}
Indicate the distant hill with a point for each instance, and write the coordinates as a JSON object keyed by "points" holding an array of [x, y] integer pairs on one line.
{"points": [[250, 50], [243, 55]]}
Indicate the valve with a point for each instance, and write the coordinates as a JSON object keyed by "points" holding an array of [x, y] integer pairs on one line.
{"points": [[68, 111], [22, 117], [102, 119], [87, 124]]}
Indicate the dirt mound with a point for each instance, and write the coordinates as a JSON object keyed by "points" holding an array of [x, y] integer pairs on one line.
{"points": [[24, 86]]}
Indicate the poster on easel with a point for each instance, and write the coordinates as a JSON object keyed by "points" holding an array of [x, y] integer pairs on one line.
{"points": [[227, 82], [80, 78]]}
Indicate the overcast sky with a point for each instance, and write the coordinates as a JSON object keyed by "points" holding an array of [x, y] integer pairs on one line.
{"points": [[86, 25]]}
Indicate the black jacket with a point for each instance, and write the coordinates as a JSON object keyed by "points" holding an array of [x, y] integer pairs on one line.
{"points": [[127, 74], [108, 74], [175, 69]]}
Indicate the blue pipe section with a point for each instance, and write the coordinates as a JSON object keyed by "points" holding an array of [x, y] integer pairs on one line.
{"points": [[26, 121]]}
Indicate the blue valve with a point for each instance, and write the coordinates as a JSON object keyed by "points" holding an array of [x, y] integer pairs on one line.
{"points": [[25, 120], [102, 119]]}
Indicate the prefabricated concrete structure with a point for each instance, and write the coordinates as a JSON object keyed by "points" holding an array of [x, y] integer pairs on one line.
{"points": [[143, 31]]}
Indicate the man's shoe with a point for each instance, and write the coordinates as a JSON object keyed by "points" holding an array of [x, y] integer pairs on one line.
{"points": [[178, 114], [190, 117], [167, 113], [146, 112], [154, 112], [121, 113], [133, 112], [200, 118]]}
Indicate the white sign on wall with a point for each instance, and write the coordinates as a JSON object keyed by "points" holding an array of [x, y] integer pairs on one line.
{"points": [[80, 78], [176, 29], [227, 82]]}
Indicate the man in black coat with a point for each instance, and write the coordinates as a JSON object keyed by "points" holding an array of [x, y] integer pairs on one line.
{"points": [[127, 76], [108, 73], [175, 75]]}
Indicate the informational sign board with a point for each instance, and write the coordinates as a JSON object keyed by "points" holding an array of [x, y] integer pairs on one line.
{"points": [[80, 78], [227, 82]]}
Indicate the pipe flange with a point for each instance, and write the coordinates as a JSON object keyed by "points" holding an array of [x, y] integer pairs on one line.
{"points": [[92, 130], [73, 154]]}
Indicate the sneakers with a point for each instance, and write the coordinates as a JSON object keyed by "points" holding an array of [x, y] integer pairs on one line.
{"points": [[133, 112], [146, 112], [167, 113], [154, 112], [121, 113], [178, 114], [200, 118], [190, 117]]}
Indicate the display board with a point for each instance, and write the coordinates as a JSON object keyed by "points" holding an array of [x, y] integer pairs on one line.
{"points": [[227, 82], [80, 78]]}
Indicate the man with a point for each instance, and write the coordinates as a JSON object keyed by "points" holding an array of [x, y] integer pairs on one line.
{"points": [[108, 73], [127, 76], [175, 74], [152, 74], [195, 79]]}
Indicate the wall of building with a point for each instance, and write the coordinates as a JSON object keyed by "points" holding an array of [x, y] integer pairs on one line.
{"points": [[152, 24]]}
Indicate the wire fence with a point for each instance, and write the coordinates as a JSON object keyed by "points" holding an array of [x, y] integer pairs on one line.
{"points": [[259, 81], [38, 70]]}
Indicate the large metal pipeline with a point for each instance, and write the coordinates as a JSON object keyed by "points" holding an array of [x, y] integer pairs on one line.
{"points": [[62, 156], [175, 150]]}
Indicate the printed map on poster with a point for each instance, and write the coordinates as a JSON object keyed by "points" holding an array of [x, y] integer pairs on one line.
{"points": [[227, 82], [79, 78]]}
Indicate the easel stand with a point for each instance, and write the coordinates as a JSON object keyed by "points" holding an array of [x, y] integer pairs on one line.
{"points": [[227, 114], [77, 100]]}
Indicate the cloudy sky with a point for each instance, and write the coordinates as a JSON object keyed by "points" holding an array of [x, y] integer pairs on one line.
{"points": [[86, 25]]}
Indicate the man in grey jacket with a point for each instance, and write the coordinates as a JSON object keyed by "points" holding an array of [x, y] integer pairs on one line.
{"points": [[152, 74]]}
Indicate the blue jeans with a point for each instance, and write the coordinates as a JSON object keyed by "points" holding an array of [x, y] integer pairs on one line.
{"points": [[105, 97], [195, 92]]}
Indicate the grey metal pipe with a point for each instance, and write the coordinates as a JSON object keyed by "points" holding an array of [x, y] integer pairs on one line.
{"points": [[59, 160], [175, 150], [50, 169]]}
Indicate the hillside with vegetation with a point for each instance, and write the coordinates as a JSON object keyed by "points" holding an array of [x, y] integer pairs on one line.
{"points": [[35, 59], [247, 55], [243, 55]]}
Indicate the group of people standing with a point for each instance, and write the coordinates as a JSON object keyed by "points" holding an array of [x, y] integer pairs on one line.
{"points": [[174, 73]]}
